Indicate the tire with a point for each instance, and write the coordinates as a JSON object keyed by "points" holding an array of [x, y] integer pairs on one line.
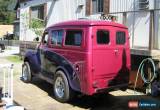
{"points": [[26, 73], [62, 91]]}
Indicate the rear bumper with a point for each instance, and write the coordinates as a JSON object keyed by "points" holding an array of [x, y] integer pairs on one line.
{"points": [[113, 88]]}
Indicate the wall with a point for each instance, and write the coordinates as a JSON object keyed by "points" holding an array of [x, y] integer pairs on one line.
{"points": [[136, 21], [57, 11]]}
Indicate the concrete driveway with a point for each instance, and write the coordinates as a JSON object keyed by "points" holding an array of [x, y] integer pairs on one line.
{"points": [[38, 95], [10, 50]]}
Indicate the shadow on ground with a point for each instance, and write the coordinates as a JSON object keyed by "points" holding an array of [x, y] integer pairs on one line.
{"points": [[98, 102]]}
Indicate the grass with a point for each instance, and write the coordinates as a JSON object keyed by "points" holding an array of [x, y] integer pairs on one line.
{"points": [[14, 59]]}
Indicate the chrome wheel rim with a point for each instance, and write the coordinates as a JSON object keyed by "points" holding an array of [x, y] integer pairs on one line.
{"points": [[25, 73], [59, 87]]}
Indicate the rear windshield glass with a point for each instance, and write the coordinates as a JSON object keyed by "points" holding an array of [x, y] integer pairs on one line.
{"points": [[103, 37], [120, 38], [73, 37]]}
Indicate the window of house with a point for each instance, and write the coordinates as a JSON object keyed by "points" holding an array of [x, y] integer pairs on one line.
{"points": [[73, 37], [37, 12], [57, 36], [120, 38], [97, 6], [103, 37]]}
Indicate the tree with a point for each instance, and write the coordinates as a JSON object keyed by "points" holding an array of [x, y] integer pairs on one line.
{"points": [[37, 25], [7, 14]]}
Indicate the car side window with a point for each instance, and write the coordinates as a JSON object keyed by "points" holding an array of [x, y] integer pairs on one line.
{"points": [[56, 37], [73, 37], [103, 37]]}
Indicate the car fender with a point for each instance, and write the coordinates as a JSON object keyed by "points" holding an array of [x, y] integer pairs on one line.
{"points": [[70, 76], [33, 59]]}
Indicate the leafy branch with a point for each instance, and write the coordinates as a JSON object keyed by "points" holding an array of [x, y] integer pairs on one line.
{"points": [[37, 25]]}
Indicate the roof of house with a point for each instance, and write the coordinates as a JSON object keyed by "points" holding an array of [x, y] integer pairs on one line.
{"points": [[4, 29], [88, 23]]}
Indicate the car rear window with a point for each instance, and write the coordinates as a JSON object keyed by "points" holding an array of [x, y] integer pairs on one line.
{"points": [[120, 38], [73, 37], [103, 37]]}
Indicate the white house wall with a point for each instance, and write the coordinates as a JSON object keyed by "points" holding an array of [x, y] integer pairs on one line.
{"points": [[122, 5], [63, 10], [57, 11], [137, 22], [141, 29]]}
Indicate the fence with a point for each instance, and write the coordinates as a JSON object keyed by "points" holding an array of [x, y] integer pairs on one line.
{"points": [[6, 82], [10, 42], [6, 88], [26, 45]]}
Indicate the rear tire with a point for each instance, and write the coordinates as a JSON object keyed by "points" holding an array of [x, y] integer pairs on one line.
{"points": [[26, 73], [62, 91]]}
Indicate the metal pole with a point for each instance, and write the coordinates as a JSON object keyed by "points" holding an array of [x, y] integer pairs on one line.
{"points": [[4, 82], [151, 30], [8, 82], [11, 74], [124, 18]]}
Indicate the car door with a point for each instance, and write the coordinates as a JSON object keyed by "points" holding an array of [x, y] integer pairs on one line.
{"points": [[54, 52], [42, 51], [105, 53]]}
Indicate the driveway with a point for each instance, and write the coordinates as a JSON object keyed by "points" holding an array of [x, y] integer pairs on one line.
{"points": [[38, 95], [10, 50]]}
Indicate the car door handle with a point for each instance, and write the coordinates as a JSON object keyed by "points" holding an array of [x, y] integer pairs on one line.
{"points": [[116, 51]]}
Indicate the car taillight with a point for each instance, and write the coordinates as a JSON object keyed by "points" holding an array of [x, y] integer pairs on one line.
{"points": [[77, 68]]}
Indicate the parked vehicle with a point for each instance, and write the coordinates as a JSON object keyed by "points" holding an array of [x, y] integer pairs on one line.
{"points": [[84, 56], [2, 47]]}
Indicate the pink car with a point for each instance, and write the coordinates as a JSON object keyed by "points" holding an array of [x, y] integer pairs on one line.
{"points": [[84, 56]]}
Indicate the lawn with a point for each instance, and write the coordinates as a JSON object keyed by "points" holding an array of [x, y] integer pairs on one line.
{"points": [[14, 59]]}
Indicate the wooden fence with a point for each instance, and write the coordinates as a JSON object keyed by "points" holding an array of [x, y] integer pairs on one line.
{"points": [[27, 45]]}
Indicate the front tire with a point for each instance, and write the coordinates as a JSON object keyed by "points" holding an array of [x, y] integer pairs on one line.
{"points": [[26, 73], [62, 91]]}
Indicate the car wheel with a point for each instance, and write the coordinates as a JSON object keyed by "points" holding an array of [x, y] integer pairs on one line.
{"points": [[62, 91], [26, 73]]}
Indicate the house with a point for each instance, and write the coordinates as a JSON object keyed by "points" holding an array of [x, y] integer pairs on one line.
{"points": [[17, 21], [140, 16], [49, 12]]}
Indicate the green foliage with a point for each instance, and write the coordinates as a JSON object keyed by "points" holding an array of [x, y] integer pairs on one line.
{"points": [[6, 16], [37, 25], [14, 59]]}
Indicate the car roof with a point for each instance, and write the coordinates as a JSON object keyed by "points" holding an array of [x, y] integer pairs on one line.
{"points": [[87, 23]]}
